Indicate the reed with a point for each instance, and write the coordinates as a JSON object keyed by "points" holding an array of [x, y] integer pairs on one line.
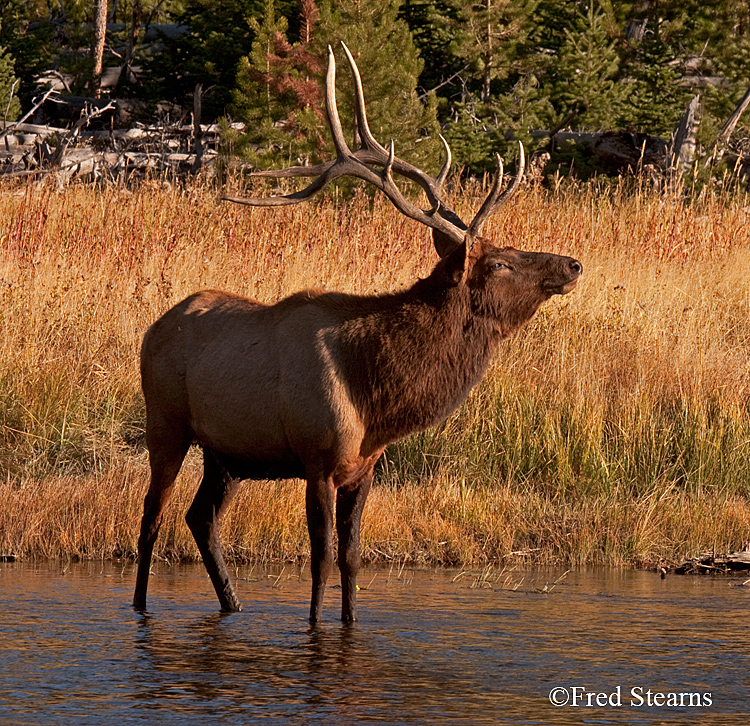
{"points": [[613, 429]]}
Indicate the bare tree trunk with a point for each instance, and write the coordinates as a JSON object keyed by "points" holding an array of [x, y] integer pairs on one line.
{"points": [[726, 132], [197, 131], [681, 153], [488, 59], [97, 48], [682, 149], [135, 30]]}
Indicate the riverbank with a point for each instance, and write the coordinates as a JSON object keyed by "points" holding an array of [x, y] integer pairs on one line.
{"points": [[443, 522], [614, 429]]}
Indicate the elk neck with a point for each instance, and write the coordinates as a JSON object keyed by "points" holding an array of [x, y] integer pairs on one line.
{"points": [[410, 358]]}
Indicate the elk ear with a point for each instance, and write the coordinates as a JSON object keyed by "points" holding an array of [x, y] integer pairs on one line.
{"points": [[444, 242], [457, 263], [444, 245]]}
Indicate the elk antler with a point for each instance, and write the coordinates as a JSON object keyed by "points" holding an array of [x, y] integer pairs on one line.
{"points": [[448, 229], [495, 199]]}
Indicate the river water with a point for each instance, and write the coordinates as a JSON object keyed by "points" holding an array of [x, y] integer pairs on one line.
{"points": [[431, 647]]}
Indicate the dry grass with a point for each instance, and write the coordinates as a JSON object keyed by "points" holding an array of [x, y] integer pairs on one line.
{"points": [[613, 429]]}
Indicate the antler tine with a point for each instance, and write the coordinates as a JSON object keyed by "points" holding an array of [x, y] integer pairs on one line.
{"points": [[371, 144], [446, 166], [387, 175], [301, 196], [445, 223], [342, 149], [327, 172], [487, 206], [360, 113], [495, 199], [372, 152]]}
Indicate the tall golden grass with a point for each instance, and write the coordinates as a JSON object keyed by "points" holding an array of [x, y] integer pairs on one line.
{"points": [[613, 429]]}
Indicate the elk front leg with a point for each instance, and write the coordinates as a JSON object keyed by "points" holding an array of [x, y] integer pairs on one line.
{"points": [[319, 505], [350, 502], [204, 519]]}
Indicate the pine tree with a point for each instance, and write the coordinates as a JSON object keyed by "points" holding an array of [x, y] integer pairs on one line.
{"points": [[490, 33], [655, 98], [478, 131], [390, 67], [432, 24], [724, 31], [278, 93], [679, 40], [32, 53], [587, 71], [218, 36], [501, 96]]}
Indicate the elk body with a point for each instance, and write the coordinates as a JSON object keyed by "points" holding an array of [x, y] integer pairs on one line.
{"points": [[317, 385]]}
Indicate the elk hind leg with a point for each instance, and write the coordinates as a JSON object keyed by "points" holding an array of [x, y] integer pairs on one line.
{"points": [[166, 454], [350, 502], [204, 519]]}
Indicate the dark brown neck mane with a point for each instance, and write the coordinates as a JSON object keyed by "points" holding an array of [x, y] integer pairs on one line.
{"points": [[412, 357]]}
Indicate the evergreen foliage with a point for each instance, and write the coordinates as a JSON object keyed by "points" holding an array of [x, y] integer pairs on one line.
{"points": [[587, 71], [32, 53], [490, 37], [655, 99], [489, 71], [390, 66], [9, 104], [498, 97], [432, 24], [731, 64], [278, 93], [218, 35]]}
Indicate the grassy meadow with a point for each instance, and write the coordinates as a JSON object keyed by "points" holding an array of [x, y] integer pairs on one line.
{"points": [[614, 429]]}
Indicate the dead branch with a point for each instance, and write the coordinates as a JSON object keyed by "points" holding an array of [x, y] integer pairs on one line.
{"points": [[717, 148], [34, 108]]}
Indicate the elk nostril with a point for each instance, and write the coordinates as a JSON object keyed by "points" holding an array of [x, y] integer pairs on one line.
{"points": [[576, 266]]}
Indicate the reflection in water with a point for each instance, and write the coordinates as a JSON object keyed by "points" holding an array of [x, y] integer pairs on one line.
{"points": [[428, 650]]}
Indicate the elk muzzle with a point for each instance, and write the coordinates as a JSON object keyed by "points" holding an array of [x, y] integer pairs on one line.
{"points": [[564, 276]]}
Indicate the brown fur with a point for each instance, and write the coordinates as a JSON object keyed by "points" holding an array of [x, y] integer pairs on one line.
{"points": [[317, 386]]}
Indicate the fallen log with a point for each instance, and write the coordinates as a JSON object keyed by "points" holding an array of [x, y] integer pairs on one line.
{"points": [[713, 563], [113, 155]]}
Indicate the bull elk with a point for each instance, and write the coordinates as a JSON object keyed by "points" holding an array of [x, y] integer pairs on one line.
{"points": [[317, 385]]}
